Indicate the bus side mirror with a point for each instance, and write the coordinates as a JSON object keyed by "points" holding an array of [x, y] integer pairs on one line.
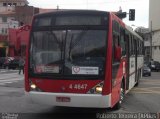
{"points": [[118, 53]]}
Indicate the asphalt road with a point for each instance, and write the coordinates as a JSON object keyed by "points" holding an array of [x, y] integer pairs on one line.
{"points": [[142, 99]]}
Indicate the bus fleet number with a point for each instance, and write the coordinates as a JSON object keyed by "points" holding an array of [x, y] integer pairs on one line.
{"points": [[78, 86]]}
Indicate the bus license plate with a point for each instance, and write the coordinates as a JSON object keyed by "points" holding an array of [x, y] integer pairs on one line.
{"points": [[63, 99]]}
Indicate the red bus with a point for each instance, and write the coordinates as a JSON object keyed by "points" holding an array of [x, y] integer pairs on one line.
{"points": [[82, 58]]}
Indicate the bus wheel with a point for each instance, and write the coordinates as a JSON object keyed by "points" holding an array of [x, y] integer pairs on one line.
{"points": [[138, 77], [119, 103], [7, 67]]}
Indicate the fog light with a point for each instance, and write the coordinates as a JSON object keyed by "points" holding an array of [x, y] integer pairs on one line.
{"points": [[33, 86], [98, 89]]}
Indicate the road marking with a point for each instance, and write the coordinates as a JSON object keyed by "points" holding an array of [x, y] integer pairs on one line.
{"points": [[146, 90], [10, 71], [3, 82], [155, 80], [150, 83], [8, 82], [10, 76], [11, 80], [3, 71], [147, 87]]}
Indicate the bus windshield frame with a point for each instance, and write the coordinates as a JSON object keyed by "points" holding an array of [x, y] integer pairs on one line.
{"points": [[75, 49]]}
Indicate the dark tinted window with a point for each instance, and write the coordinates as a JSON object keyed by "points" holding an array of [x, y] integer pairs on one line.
{"points": [[69, 45], [4, 4], [45, 21], [85, 49], [15, 4], [76, 48], [80, 20], [46, 50], [71, 20]]}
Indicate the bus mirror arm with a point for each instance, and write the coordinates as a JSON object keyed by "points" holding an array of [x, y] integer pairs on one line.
{"points": [[118, 53]]}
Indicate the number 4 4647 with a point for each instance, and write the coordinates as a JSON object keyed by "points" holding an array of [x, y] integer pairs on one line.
{"points": [[78, 86]]}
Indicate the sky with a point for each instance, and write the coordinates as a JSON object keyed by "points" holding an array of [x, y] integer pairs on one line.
{"points": [[141, 7]]}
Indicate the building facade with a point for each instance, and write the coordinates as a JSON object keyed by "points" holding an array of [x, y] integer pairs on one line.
{"points": [[145, 34], [14, 15], [13, 3], [8, 20], [154, 26]]}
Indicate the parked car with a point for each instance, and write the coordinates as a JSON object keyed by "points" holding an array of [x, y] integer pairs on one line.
{"points": [[155, 66], [2, 60], [11, 63], [146, 70]]}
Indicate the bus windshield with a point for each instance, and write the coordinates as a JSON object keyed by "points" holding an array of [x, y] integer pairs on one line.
{"points": [[68, 52]]}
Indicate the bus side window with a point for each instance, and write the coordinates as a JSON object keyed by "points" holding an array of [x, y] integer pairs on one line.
{"points": [[127, 44], [132, 51], [116, 43], [140, 47], [137, 47], [123, 43], [130, 45], [115, 61]]}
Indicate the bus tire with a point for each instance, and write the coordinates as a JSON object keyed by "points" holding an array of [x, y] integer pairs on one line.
{"points": [[7, 67], [138, 77], [119, 103]]}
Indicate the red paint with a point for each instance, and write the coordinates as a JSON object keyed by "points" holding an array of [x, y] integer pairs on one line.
{"points": [[3, 38], [64, 86], [17, 38], [26, 82], [114, 17], [117, 84], [108, 76]]}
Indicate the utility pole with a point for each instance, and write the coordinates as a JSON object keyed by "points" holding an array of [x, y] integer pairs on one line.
{"points": [[121, 14], [57, 7], [151, 42], [87, 4]]}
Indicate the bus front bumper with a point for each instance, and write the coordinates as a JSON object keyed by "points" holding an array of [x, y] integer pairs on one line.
{"points": [[70, 99]]}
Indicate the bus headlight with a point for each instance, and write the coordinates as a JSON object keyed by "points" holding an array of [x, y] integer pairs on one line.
{"points": [[33, 86], [99, 89]]}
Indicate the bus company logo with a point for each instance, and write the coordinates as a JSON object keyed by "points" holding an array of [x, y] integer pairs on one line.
{"points": [[76, 69]]}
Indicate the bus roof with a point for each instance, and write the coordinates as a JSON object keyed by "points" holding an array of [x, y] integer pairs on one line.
{"points": [[63, 12], [133, 32], [84, 12]]}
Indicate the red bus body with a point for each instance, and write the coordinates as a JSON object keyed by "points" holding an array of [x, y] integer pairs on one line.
{"points": [[82, 93]]}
